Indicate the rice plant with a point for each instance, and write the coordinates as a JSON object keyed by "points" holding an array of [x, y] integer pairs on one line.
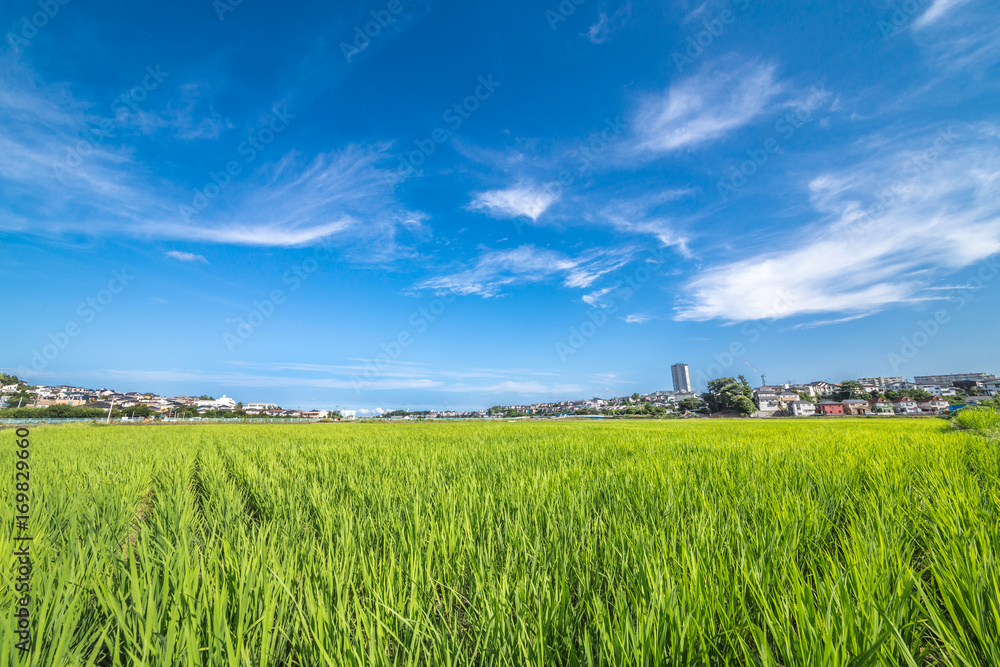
{"points": [[616, 543]]}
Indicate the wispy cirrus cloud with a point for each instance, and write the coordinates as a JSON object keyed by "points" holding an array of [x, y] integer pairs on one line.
{"points": [[706, 106], [607, 25], [937, 11], [920, 208], [528, 200], [495, 270], [61, 173], [186, 256], [189, 115], [959, 34], [646, 215]]}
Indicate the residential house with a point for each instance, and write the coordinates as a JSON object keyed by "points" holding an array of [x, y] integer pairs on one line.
{"points": [[787, 396], [856, 408], [992, 388], [825, 388], [934, 404], [880, 383], [223, 403], [881, 407], [901, 386], [976, 400], [45, 402], [768, 402], [905, 406], [801, 408], [830, 408]]}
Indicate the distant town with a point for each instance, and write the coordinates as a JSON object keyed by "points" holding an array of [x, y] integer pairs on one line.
{"points": [[923, 395]]}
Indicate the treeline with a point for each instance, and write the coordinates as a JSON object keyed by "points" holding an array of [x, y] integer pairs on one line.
{"points": [[71, 412]]}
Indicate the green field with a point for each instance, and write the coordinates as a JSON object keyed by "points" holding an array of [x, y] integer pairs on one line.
{"points": [[612, 543]]}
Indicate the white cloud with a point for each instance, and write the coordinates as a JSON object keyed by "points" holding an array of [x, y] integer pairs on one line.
{"points": [[938, 10], [888, 228], [594, 298], [186, 256], [643, 215], [188, 115], [527, 200], [497, 269], [959, 35], [54, 183], [706, 107], [606, 25]]}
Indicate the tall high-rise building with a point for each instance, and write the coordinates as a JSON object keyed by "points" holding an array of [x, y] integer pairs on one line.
{"points": [[682, 378]]}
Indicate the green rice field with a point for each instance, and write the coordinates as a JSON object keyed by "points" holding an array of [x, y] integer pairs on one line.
{"points": [[711, 542]]}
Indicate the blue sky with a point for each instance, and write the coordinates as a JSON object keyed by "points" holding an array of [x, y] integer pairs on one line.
{"points": [[428, 204]]}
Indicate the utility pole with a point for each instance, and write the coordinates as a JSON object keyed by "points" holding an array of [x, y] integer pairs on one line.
{"points": [[110, 408]]}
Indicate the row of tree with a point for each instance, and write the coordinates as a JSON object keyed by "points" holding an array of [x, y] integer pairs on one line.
{"points": [[136, 411]]}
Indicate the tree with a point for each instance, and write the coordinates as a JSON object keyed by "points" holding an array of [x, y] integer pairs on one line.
{"points": [[204, 397], [636, 397], [729, 395], [239, 405], [21, 398], [851, 390], [689, 404]]}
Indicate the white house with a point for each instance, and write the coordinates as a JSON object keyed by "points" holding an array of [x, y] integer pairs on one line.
{"points": [[991, 388], [801, 409], [905, 406], [223, 403], [825, 388], [767, 402], [262, 406]]}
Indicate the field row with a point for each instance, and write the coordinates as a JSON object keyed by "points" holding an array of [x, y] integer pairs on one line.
{"points": [[548, 543]]}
